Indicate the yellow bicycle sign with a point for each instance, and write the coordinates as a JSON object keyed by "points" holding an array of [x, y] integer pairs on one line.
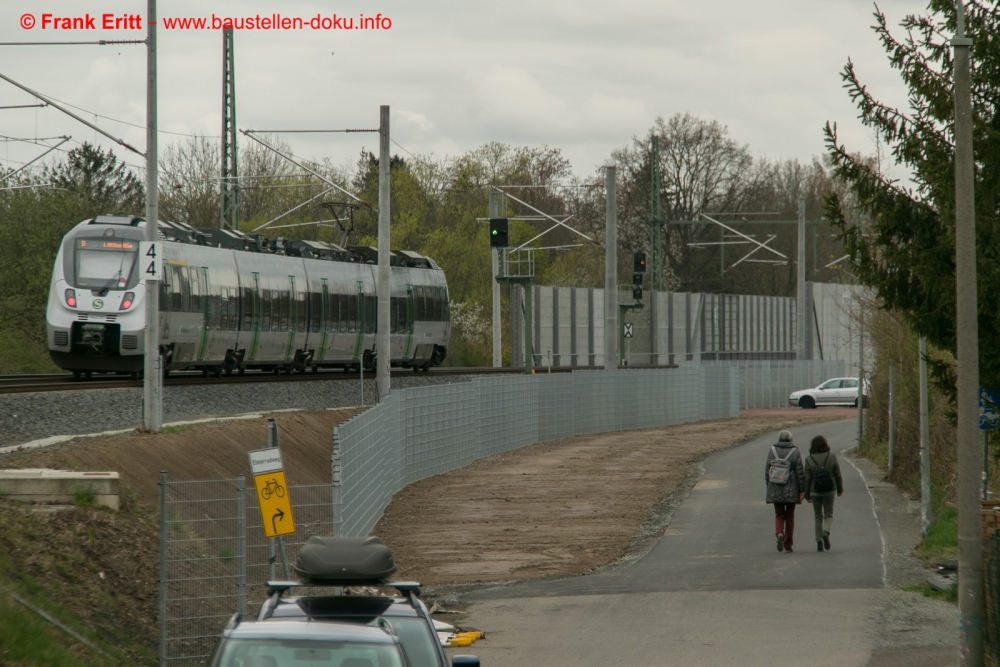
{"points": [[272, 493]]}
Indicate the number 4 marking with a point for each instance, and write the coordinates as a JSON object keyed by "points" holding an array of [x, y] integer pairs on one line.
{"points": [[154, 267]]}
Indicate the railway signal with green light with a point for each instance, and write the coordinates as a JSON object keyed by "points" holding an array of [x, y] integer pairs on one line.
{"points": [[498, 233]]}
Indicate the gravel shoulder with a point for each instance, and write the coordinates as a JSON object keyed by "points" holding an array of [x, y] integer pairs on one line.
{"points": [[913, 630], [32, 416]]}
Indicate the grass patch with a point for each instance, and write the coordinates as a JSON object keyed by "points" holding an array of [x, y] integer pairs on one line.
{"points": [[950, 595], [942, 538], [26, 639], [85, 497]]}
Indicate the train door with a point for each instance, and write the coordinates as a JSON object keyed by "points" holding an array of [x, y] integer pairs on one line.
{"points": [[199, 276], [359, 319], [407, 326], [293, 318], [324, 326], [254, 315]]}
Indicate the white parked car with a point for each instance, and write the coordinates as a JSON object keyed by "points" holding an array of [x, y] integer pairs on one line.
{"points": [[838, 391]]}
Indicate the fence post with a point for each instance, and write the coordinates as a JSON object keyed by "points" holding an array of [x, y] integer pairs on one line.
{"points": [[241, 547], [163, 568], [338, 526]]}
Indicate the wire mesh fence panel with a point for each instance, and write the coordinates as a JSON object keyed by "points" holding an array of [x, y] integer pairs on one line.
{"points": [[506, 414], [440, 429], [991, 566], [371, 459], [202, 554]]}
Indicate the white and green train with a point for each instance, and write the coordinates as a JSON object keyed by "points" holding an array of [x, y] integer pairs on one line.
{"points": [[231, 301]]}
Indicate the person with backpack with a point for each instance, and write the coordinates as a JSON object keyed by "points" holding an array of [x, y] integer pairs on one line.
{"points": [[823, 479], [785, 487]]}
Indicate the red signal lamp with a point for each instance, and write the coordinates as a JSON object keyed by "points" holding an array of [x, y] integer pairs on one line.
{"points": [[71, 298], [127, 301]]}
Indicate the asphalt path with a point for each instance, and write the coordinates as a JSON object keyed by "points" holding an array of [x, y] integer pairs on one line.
{"points": [[713, 590]]}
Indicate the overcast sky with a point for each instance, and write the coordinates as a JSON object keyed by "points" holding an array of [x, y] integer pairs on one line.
{"points": [[580, 75]]}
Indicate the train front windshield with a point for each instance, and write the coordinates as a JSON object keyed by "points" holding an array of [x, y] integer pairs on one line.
{"points": [[104, 264]]}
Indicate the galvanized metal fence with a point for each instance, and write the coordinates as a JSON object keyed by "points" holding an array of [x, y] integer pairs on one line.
{"points": [[215, 558]]}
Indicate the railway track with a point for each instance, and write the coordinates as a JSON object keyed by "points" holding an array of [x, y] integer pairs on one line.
{"points": [[21, 384]]}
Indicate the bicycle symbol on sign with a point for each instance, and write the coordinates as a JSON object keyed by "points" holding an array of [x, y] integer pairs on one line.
{"points": [[272, 487]]}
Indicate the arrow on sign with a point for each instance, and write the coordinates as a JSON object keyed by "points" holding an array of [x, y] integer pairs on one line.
{"points": [[278, 516]]}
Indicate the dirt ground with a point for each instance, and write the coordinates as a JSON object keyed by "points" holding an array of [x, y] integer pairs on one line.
{"points": [[559, 508], [216, 450]]}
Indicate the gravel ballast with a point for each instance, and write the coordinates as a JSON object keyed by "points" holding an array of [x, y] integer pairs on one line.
{"points": [[32, 416]]}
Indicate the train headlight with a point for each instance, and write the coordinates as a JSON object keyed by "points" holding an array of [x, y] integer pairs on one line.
{"points": [[71, 298], [127, 301]]}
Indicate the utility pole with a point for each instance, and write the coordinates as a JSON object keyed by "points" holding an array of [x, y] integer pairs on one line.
{"points": [[970, 557], [925, 443], [383, 289], [802, 303], [495, 198], [152, 379], [229, 188], [656, 218], [611, 270], [892, 416], [861, 378]]}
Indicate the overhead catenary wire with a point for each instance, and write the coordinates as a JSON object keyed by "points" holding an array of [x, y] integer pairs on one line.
{"points": [[249, 134], [28, 164], [69, 113]]}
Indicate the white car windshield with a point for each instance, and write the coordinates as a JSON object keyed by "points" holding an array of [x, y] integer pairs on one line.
{"points": [[302, 653]]}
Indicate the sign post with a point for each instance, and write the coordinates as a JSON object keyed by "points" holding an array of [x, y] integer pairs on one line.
{"points": [[272, 496]]}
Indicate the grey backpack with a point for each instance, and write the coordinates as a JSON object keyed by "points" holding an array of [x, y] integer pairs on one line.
{"points": [[781, 467]]}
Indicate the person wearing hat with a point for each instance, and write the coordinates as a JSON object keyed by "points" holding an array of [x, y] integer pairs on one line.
{"points": [[785, 479]]}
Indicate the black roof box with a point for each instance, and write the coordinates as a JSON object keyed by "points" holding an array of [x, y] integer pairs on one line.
{"points": [[345, 561]]}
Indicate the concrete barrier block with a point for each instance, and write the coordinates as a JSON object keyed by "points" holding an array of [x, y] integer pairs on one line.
{"points": [[59, 487]]}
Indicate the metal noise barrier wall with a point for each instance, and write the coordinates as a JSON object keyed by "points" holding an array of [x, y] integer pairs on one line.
{"points": [[416, 433]]}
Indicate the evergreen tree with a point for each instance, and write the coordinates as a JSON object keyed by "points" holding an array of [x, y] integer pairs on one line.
{"points": [[905, 246]]}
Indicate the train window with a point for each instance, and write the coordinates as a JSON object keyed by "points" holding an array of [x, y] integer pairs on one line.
{"points": [[343, 319], [195, 303], [265, 310], [174, 274], [283, 326], [352, 313], [401, 320], [393, 316], [300, 320], [247, 309], [371, 313], [316, 303], [445, 309], [418, 303], [223, 308], [234, 316]]}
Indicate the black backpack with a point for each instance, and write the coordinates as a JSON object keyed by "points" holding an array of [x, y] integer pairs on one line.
{"points": [[823, 479]]}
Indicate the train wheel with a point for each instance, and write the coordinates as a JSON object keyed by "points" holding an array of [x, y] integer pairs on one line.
{"points": [[315, 369], [241, 371], [229, 370], [204, 372], [87, 374], [276, 370], [77, 375]]}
